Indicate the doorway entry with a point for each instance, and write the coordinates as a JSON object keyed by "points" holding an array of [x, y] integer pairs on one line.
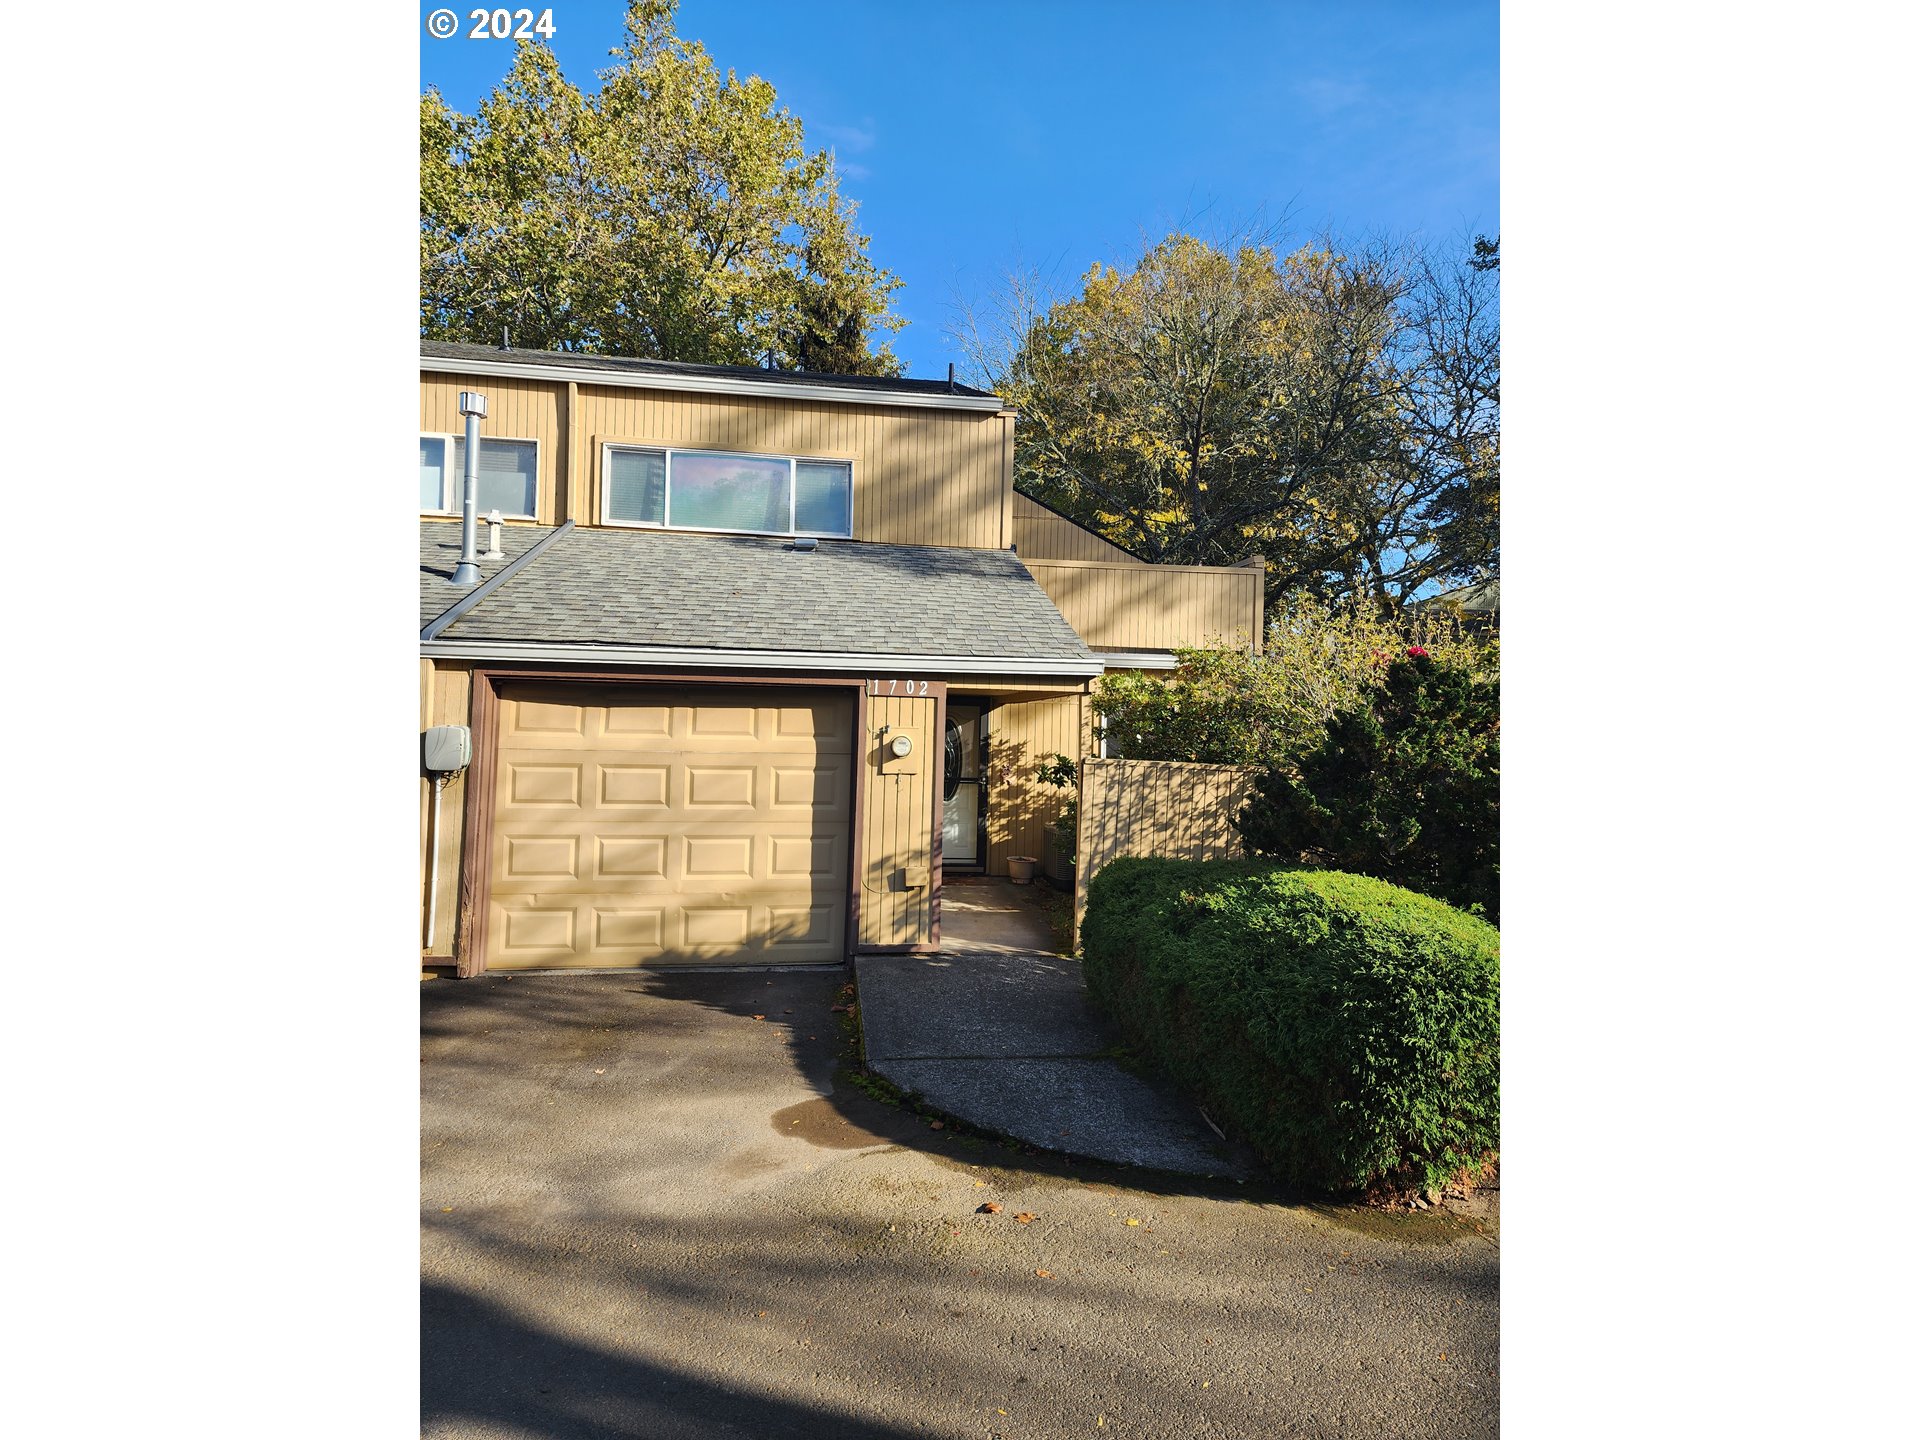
{"points": [[963, 832]]}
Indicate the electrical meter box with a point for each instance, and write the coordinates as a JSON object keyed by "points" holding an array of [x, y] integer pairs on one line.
{"points": [[447, 747]]}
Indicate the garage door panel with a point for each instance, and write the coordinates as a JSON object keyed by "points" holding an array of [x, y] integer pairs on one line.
{"points": [[539, 929], [543, 857], [720, 857], [824, 791], [720, 787], [639, 929], [627, 857], [531, 782], [653, 827], [634, 787], [793, 927], [630, 719], [710, 930]]}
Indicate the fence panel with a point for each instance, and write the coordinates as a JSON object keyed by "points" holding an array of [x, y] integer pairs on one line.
{"points": [[1156, 809]]}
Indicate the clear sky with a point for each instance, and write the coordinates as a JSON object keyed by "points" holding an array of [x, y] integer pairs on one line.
{"points": [[982, 136]]}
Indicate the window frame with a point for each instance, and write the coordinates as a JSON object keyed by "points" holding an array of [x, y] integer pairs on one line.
{"points": [[608, 448], [450, 482]]}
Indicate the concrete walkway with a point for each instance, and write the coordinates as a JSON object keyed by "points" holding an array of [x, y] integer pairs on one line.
{"points": [[1003, 1038]]}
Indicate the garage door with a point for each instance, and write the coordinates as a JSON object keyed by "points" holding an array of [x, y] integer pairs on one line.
{"points": [[635, 826]]}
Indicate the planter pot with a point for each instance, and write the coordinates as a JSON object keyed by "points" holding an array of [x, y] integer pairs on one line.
{"points": [[1020, 869]]}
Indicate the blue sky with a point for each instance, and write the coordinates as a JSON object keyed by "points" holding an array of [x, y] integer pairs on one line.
{"points": [[979, 136]]}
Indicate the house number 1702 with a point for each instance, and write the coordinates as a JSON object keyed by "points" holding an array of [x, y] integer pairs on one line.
{"points": [[899, 687]]}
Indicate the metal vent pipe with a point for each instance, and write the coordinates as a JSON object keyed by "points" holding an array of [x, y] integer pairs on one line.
{"points": [[473, 406]]}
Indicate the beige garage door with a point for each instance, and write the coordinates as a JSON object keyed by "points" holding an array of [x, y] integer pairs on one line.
{"points": [[635, 826]]}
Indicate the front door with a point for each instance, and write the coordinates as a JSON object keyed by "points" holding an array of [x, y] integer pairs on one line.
{"points": [[965, 796]]}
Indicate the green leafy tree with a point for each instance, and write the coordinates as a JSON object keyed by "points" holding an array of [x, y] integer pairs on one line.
{"points": [[1335, 411], [1404, 786], [673, 214]]}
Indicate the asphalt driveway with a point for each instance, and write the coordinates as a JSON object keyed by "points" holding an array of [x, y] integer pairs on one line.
{"points": [[649, 1212]]}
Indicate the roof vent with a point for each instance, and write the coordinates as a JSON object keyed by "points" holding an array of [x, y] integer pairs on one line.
{"points": [[805, 543]]}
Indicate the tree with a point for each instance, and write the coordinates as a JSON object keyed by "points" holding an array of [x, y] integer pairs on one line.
{"points": [[674, 214], [1403, 786], [1335, 411]]}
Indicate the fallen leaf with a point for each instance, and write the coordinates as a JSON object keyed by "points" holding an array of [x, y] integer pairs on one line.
{"points": [[936, 1124], [759, 1017], [1044, 1274], [1025, 1217], [599, 1072], [446, 1209], [992, 1207], [763, 1314], [979, 1184], [1132, 1221]]}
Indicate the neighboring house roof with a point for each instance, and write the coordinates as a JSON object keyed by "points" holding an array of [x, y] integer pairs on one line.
{"points": [[1481, 598], [445, 356], [659, 591], [1121, 657]]}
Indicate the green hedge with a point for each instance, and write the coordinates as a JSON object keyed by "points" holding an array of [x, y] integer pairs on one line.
{"points": [[1347, 1028]]}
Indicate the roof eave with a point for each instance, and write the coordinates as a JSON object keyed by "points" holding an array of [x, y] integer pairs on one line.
{"points": [[708, 384], [703, 658]]}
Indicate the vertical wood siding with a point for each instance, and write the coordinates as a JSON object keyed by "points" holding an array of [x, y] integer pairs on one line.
{"points": [[1154, 607], [920, 477], [897, 827], [516, 410], [445, 692], [1020, 738], [1039, 534], [1155, 808]]}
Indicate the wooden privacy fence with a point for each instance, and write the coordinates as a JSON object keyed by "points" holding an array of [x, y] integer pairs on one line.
{"points": [[1157, 809]]}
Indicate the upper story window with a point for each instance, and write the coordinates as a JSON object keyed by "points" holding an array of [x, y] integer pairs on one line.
{"points": [[509, 472], [715, 490]]}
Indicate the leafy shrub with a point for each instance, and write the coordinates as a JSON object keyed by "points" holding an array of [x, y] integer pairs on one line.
{"points": [[1347, 1028], [1225, 706], [1061, 773], [1404, 785]]}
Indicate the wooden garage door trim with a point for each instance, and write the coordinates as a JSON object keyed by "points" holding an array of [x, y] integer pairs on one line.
{"points": [[470, 948]]}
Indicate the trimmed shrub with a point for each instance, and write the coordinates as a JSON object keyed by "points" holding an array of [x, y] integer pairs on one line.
{"points": [[1347, 1028], [1404, 786]]}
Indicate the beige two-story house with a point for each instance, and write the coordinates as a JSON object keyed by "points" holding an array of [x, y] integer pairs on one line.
{"points": [[760, 659]]}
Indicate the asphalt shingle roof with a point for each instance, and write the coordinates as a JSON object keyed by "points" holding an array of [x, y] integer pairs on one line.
{"points": [[440, 553], [616, 365], [730, 592]]}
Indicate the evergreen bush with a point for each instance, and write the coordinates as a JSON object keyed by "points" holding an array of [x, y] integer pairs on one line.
{"points": [[1403, 785], [1347, 1028]]}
